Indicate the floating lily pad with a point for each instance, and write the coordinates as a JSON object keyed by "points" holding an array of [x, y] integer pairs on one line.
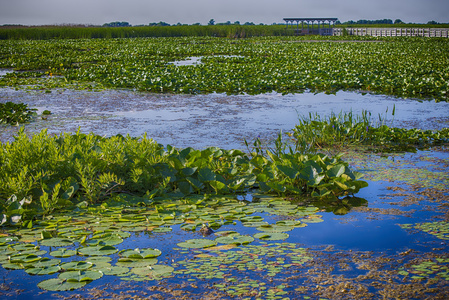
{"points": [[43, 270], [154, 271], [80, 276], [113, 270], [271, 236], [255, 224], [97, 250], [13, 266], [57, 285], [56, 242], [63, 252], [162, 229], [197, 243], [136, 262], [274, 228], [76, 265], [234, 239], [46, 262], [140, 253], [105, 240]]}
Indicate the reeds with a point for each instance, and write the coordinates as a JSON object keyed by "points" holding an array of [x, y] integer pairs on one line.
{"points": [[68, 32]]}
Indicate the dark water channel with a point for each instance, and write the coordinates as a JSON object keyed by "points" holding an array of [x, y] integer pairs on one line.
{"points": [[403, 189]]}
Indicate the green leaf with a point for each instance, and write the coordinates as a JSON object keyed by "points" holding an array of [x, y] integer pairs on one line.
{"points": [[288, 171], [197, 243], [59, 285], [80, 276], [336, 171], [206, 175]]}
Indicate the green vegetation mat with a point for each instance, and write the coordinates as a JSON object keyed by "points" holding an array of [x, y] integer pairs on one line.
{"points": [[404, 67]]}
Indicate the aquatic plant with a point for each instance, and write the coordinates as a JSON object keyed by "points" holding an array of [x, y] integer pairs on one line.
{"points": [[43, 173], [336, 131], [15, 113], [404, 67]]}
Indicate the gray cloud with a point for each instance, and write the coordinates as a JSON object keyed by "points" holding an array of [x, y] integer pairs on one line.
{"points": [[38, 12]]}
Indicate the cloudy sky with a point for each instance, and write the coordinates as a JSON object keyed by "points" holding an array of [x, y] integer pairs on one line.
{"points": [[137, 12]]}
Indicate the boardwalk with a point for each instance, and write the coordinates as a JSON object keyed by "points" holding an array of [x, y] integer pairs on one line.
{"points": [[372, 31]]}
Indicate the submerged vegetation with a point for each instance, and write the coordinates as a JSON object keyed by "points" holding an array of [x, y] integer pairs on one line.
{"points": [[404, 67]]}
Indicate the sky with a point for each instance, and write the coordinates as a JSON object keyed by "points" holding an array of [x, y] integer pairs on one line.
{"points": [[143, 12]]}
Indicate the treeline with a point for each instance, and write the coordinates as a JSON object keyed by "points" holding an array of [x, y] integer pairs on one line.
{"points": [[70, 32], [389, 22]]}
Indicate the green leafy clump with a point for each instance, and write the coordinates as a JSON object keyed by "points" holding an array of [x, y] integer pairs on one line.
{"points": [[42, 173], [15, 113]]}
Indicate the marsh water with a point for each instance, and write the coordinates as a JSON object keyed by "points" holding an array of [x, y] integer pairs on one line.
{"points": [[357, 252], [209, 120]]}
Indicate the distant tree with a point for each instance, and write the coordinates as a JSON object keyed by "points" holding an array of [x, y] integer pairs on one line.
{"points": [[196, 24], [117, 24], [433, 23], [398, 21], [211, 22], [237, 23], [248, 23]]}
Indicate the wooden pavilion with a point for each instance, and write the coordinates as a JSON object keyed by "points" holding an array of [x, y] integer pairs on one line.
{"points": [[321, 30]]}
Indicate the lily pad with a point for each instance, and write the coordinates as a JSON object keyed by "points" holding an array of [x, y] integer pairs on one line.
{"points": [[80, 276], [57, 285], [136, 262], [63, 252], [275, 228], [154, 271], [271, 236], [234, 239], [98, 250], [113, 270], [140, 253], [197, 243], [43, 270], [77, 265], [56, 242]]}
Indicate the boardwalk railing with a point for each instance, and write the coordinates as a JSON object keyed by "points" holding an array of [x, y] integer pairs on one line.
{"points": [[426, 32]]}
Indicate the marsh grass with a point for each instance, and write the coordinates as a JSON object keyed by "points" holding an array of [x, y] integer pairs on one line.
{"points": [[316, 133], [68, 32]]}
